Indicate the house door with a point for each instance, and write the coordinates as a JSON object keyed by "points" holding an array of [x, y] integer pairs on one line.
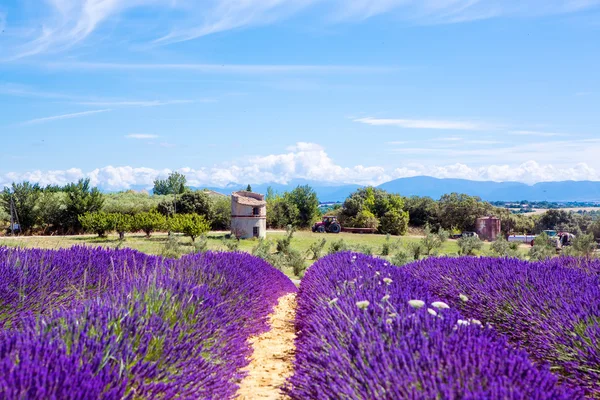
{"points": [[256, 231]]}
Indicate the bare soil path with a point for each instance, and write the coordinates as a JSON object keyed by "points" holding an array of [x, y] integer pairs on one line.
{"points": [[273, 357]]}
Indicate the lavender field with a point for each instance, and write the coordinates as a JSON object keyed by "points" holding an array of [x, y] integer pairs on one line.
{"points": [[118, 324], [102, 324]]}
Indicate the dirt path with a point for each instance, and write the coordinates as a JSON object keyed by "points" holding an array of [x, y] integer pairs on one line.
{"points": [[272, 361]]}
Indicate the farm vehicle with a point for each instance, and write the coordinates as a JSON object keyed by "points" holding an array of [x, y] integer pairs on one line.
{"points": [[330, 224]]}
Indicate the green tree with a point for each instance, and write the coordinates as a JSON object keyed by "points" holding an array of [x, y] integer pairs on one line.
{"points": [[197, 202], [149, 222], [394, 222], [192, 225], [97, 222], [460, 211], [503, 248], [305, 199], [25, 197], [80, 199], [52, 207], [221, 213], [422, 211], [123, 223], [249, 188], [281, 212], [174, 184], [375, 203]]}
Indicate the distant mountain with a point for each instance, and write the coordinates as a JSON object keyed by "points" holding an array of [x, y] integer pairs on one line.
{"points": [[435, 188], [326, 192], [496, 191]]}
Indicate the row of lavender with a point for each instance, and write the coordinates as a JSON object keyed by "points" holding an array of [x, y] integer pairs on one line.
{"points": [[551, 308], [102, 324], [369, 330]]}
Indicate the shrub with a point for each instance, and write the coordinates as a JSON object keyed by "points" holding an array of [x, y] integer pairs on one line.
{"points": [[431, 242], [415, 250], [231, 244], [468, 245], [123, 223], [316, 248], [363, 249], [338, 246], [365, 219], [171, 248], [262, 249], [201, 245], [283, 245], [401, 258], [503, 248], [542, 248], [584, 245]]}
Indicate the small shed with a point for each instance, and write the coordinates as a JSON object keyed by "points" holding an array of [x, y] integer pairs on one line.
{"points": [[248, 215], [488, 228]]}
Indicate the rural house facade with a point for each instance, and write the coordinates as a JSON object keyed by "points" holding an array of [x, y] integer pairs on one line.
{"points": [[248, 215]]}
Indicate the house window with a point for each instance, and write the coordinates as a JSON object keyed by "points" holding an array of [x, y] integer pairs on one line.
{"points": [[256, 211], [255, 231]]}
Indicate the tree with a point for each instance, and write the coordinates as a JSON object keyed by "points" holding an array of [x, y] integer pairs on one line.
{"points": [[221, 213], [366, 205], [584, 245], [503, 248], [305, 199], [460, 211], [197, 202], [422, 211], [281, 212], [192, 225], [394, 222], [149, 222], [174, 184], [123, 223], [97, 222], [52, 207], [249, 188], [24, 196], [80, 199]]}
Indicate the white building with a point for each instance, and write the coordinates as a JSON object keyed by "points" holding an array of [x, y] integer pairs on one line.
{"points": [[248, 215]]}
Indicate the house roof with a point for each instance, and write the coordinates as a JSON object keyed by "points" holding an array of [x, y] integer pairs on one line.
{"points": [[249, 199]]}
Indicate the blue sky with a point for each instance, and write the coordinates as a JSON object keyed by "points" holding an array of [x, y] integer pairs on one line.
{"points": [[360, 91]]}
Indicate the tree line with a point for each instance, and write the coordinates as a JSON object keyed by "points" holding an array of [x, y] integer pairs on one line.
{"points": [[79, 207]]}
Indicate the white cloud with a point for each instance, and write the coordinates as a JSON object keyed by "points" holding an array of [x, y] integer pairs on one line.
{"points": [[310, 161], [141, 136], [220, 68], [537, 133], [63, 116], [66, 23], [425, 124]]}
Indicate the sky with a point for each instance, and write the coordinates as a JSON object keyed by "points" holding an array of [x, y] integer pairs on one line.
{"points": [[337, 91]]}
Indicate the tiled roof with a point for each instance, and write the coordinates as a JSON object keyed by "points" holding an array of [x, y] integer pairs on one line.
{"points": [[249, 199]]}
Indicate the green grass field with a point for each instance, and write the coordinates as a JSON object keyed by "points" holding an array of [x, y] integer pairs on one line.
{"points": [[156, 244]]}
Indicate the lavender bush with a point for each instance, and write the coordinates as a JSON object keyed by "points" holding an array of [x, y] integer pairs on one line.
{"points": [[103, 324], [551, 308], [368, 330]]}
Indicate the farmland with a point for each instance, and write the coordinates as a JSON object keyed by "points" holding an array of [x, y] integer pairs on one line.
{"points": [[100, 323]]}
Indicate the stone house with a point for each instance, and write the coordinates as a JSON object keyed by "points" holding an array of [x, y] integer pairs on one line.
{"points": [[248, 215]]}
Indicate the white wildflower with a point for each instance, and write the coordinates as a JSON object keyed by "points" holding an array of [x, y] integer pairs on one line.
{"points": [[385, 298], [388, 321], [363, 304], [387, 281], [333, 301], [432, 312], [440, 304], [393, 315], [476, 322], [463, 297], [462, 322], [416, 303]]}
